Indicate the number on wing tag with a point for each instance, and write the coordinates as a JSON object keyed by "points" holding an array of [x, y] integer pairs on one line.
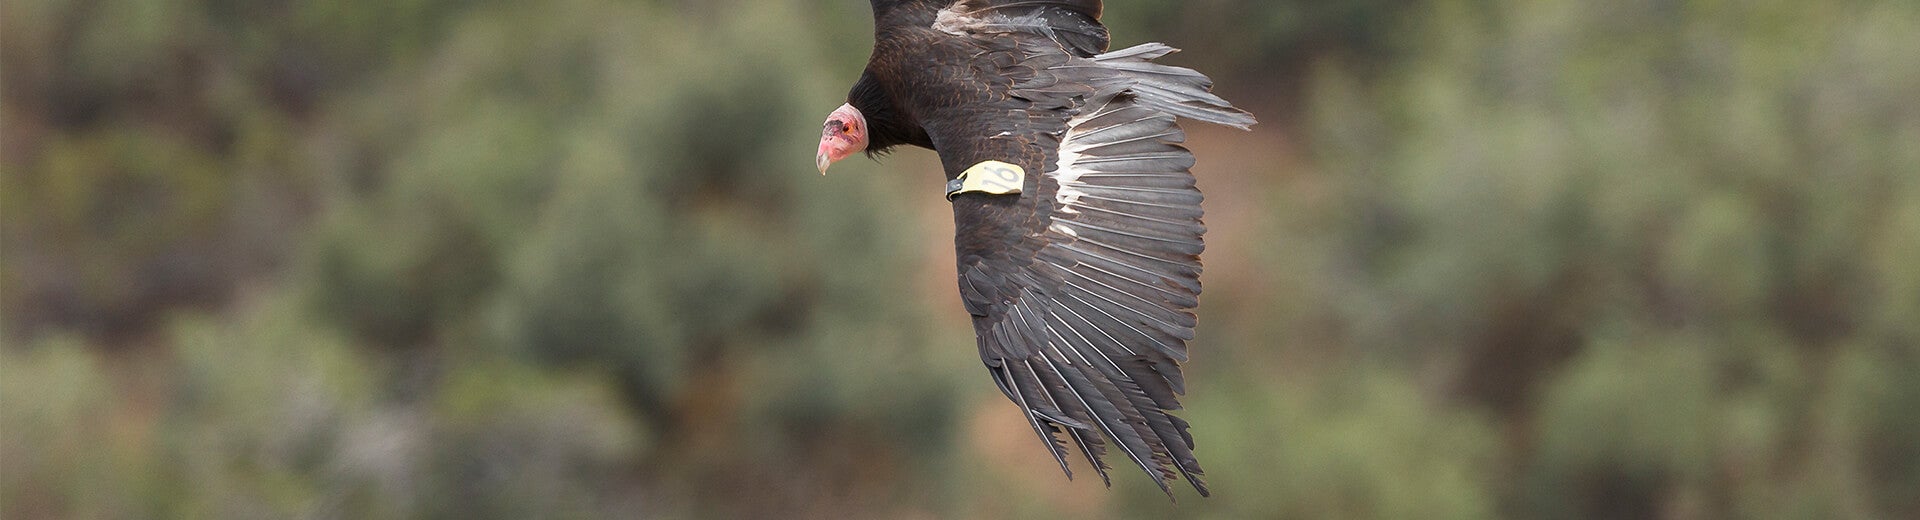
{"points": [[990, 177]]}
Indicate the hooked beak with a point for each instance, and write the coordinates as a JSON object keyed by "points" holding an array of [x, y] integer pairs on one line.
{"points": [[823, 161]]}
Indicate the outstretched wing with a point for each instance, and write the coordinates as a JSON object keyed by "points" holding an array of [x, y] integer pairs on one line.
{"points": [[1080, 285]]}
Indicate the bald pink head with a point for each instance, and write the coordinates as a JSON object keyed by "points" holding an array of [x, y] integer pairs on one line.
{"points": [[844, 134]]}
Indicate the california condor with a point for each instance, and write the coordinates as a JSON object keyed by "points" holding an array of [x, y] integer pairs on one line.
{"points": [[1078, 225]]}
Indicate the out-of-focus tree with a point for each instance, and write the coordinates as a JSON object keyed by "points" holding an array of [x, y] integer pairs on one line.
{"points": [[1647, 231]]}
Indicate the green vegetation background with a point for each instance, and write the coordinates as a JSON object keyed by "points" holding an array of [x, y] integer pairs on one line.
{"points": [[569, 259]]}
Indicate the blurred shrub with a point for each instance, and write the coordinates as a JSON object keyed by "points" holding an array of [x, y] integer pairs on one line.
{"points": [[113, 225], [1536, 193], [1865, 435], [1365, 444], [58, 447], [1630, 433], [266, 417]]}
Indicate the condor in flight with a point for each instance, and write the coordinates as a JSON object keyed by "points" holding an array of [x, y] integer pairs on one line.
{"points": [[1078, 223]]}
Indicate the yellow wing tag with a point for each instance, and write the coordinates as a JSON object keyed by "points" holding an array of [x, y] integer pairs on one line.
{"points": [[990, 177]]}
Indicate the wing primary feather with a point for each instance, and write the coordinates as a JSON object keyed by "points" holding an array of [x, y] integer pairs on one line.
{"points": [[1174, 241], [1182, 263], [1192, 286], [1182, 329], [1054, 446], [1060, 419], [1112, 126], [1174, 442], [1096, 328], [1152, 402], [1144, 51], [1168, 132], [1083, 341], [1140, 157], [1049, 410], [1133, 202], [1177, 299], [1171, 376], [1190, 222], [1134, 412], [1076, 379], [1175, 352], [1092, 447]]}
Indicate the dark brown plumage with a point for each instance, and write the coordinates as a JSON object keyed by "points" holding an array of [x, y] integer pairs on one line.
{"points": [[1080, 285]]}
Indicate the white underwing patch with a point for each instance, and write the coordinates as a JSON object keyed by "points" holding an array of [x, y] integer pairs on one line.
{"points": [[1064, 171]]}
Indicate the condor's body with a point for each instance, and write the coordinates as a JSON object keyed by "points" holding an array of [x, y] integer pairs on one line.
{"points": [[1081, 278]]}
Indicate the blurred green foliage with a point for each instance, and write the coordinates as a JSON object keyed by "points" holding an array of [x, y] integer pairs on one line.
{"points": [[434, 259]]}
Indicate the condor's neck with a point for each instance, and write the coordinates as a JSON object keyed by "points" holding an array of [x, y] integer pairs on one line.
{"points": [[888, 125]]}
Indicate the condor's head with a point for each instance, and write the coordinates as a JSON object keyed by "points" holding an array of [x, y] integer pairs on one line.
{"points": [[844, 134]]}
